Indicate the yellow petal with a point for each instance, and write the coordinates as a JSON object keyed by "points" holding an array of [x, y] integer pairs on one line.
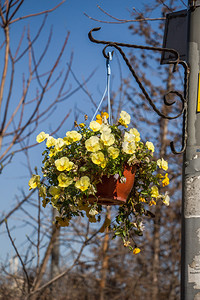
{"points": [[136, 251]]}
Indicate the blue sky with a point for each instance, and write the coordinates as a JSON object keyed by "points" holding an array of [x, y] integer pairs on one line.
{"points": [[87, 57]]}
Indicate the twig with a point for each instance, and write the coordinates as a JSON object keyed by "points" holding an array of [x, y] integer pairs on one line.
{"points": [[183, 3], [61, 274], [5, 67], [36, 14], [121, 21], [125, 21], [34, 39], [78, 88], [165, 5], [82, 86], [17, 206], [18, 255], [45, 260], [15, 11]]}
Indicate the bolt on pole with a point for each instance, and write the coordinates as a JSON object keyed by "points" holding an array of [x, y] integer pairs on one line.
{"points": [[190, 260]]}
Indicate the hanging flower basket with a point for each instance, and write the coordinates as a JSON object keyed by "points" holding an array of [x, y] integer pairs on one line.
{"points": [[114, 190], [102, 164]]}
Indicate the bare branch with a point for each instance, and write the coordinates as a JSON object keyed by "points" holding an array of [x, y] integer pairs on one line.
{"points": [[41, 57], [20, 42], [81, 85], [121, 21], [18, 255], [9, 95], [45, 86], [38, 289], [17, 207], [36, 14], [45, 260], [15, 11], [34, 40], [2, 17], [78, 88], [183, 3], [38, 234], [3, 79], [165, 5]]}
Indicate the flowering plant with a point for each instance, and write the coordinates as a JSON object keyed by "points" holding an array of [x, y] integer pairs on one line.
{"points": [[75, 164]]}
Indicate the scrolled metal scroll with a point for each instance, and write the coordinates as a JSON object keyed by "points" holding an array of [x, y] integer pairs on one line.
{"points": [[175, 62]]}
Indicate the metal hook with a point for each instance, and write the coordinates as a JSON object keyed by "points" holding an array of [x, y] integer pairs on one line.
{"points": [[175, 62]]}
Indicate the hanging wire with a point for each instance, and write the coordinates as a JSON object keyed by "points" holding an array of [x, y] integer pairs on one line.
{"points": [[107, 90]]}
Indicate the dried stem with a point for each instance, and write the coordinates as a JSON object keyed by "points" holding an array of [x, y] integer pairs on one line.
{"points": [[121, 21], [36, 14], [18, 255]]}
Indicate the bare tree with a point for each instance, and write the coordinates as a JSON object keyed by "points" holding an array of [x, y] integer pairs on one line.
{"points": [[21, 113]]}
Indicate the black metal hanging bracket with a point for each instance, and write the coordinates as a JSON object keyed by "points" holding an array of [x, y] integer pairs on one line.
{"points": [[175, 62]]}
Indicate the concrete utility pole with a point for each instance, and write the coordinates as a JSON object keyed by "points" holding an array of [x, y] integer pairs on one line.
{"points": [[190, 275]]}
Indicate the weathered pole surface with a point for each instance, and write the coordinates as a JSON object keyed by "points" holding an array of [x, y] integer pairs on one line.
{"points": [[190, 275]]}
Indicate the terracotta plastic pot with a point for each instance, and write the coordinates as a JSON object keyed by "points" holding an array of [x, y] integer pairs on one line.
{"points": [[112, 191]]}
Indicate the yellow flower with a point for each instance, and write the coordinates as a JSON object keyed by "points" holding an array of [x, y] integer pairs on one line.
{"points": [[34, 182], [113, 152], [165, 180], [63, 164], [150, 146], [71, 137], [154, 192], [125, 118], [105, 128], [99, 119], [166, 199], [142, 199], [50, 142], [81, 125], [136, 251], [152, 202], [55, 191], [97, 158], [107, 138], [64, 181], [95, 126], [93, 144], [83, 183], [41, 137], [62, 221], [129, 137], [103, 116], [163, 164], [59, 144], [74, 135], [136, 134], [129, 148]]}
